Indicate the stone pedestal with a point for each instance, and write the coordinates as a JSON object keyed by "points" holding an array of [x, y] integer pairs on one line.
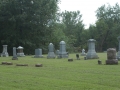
{"points": [[83, 52], [4, 53], [91, 54], [38, 53], [51, 53], [20, 52], [14, 54], [118, 53], [111, 56], [62, 52]]}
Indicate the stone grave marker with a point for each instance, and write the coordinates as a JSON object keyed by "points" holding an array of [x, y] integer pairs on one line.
{"points": [[91, 54], [118, 53], [14, 54], [83, 52], [20, 52], [38, 53], [62, 52], [111, 56], [51, 53], [4, 53]]}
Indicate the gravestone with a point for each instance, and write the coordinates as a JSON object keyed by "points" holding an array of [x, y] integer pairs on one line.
{"points": [[57, 52], [91, 54], [38, 53], [20, 52], [14, 54], [62, 52], [118, 53], [111, 56], [83, 52], [4, 53], [51, 53]]}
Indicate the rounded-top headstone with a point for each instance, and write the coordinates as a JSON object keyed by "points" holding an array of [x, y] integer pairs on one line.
{"points": [[20, 47], [62, 42]]}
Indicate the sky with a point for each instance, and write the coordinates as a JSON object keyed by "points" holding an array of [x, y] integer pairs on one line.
{"points": [[86, 7]]}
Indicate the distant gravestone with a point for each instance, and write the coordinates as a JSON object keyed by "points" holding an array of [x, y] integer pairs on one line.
{"points": [[51, 53], [111, 56], [38, 53], [4, 53], [20, 52], [118, 53], [57, 52], [83, 52], [91, 54], [62, 52], [14, 54]]}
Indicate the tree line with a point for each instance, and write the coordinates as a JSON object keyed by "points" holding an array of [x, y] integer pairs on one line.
{"points": [[36, 23]]}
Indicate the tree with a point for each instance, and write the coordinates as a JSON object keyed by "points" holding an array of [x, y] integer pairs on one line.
{"points": [[73, 26], [107, 26], [26, 22]]}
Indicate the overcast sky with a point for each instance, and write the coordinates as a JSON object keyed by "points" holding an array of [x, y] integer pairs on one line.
{"points": [[86, 7]]}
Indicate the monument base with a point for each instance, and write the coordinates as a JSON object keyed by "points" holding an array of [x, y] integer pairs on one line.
{"points": [[14, 58], [111, 62], [92, 57], [62, 56], [4, 54], [51, 55], [83, 54], [38, 56], [20, 54]]}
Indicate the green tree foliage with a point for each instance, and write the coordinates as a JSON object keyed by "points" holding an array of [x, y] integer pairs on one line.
{"points": [[26, 22], [108, 26], [73, 27]]}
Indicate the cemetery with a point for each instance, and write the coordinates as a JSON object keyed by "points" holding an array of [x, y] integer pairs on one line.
{"points": [[53, 71], [42, 48]]}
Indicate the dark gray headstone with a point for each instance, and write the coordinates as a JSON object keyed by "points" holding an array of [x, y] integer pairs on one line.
{"points": [[91, 54], [4, 53], [62, 51], [118, 53], [20, 52], [14, 54], [111, 56], [38, 53], [51, 53]]}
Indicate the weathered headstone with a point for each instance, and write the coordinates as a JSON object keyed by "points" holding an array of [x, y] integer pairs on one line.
{"points": [[38, 53], [4, 53], [111, 56], [83, 52], [91, 54], [20, 52], [62, 52], [51, 53], [14, 54], [118, 53]]}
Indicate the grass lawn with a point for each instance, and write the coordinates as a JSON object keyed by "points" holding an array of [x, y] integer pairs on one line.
{"points": [[59, 74]]}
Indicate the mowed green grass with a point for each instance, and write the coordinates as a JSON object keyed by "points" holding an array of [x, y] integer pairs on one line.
{"points": [[59, 74]]}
